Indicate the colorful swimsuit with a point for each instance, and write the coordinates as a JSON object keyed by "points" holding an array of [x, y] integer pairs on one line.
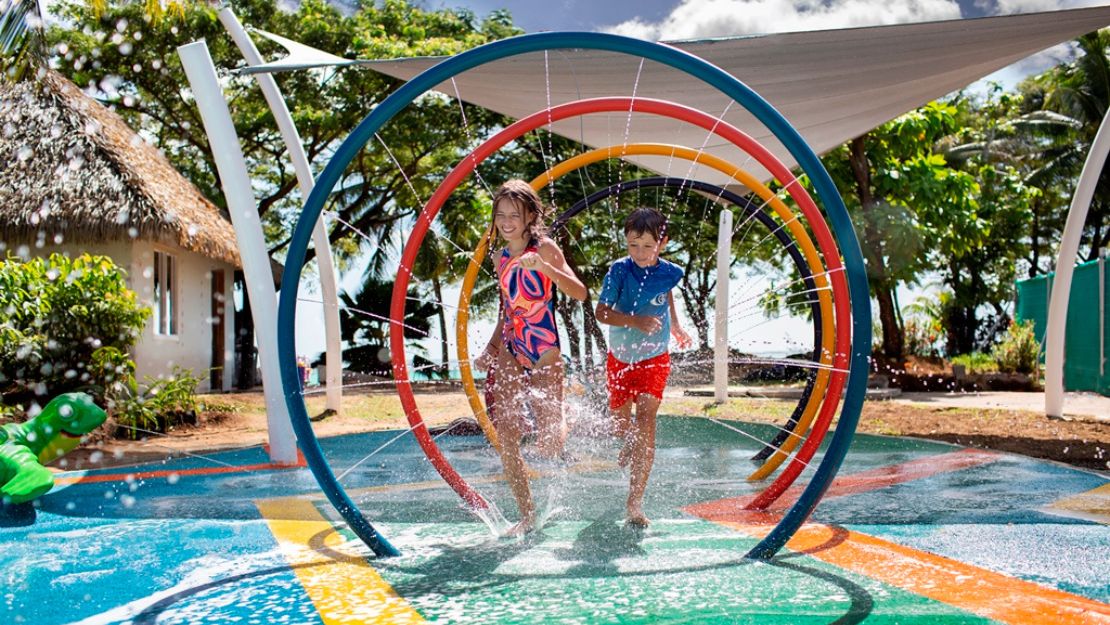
{"points": [[529, 327]]}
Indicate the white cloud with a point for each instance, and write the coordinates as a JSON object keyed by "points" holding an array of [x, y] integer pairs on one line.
{"points": [[693, 19], [1008, 7]]}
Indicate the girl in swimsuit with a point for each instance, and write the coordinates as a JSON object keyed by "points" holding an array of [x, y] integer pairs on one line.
{"points": [[523, 355]]}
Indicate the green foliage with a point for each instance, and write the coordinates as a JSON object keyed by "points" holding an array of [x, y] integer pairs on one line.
{"points": [[128, 59], [922, 337], [21, 46], [1019, 351], [364, 324], [158, 406], [65, 325], [976, 362]]}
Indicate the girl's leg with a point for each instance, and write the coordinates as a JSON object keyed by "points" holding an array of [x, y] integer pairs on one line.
{"points": [[509, 419], [546, 398], [643, 456]]}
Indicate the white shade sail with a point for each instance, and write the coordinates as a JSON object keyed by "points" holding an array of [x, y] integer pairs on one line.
{"points": [[832, 85]]}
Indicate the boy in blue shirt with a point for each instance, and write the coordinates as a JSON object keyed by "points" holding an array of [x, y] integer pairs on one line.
{"points": [[637, 304]]}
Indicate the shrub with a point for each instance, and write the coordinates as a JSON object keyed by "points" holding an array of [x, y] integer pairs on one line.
{"points": [[163, 404], [976, 362], [55, 314], [921, 338], [1019, 350]]}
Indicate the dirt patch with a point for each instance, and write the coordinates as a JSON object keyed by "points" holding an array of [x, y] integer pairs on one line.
{"points": [[1080, 443]]}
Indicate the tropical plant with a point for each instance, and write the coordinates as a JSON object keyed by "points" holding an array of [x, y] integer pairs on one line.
{"points": [[1019, 351], [60, 320], [365, 327], [157, 406], [126, 60], [976, 362], [887, 177], [23, 49]]}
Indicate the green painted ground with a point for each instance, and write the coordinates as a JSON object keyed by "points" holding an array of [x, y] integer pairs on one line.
{"points": [[602, 572]]}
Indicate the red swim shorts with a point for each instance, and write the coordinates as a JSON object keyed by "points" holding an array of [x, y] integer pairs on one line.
{"points": [[627, 380]]}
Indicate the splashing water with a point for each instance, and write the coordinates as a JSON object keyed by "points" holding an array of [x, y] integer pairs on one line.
{"points": [[493, 519]]}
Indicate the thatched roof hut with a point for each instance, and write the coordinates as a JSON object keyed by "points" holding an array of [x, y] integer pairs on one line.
{"points": [[72, 170]]}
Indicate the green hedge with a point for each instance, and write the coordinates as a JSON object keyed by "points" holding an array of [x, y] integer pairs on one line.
{"points": [[55, 313]]}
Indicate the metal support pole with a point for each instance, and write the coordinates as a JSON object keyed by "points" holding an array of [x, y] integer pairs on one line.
{"points": [[720, 319], [1065, 267], [1101, 316], [324, 263], [248, 232]]}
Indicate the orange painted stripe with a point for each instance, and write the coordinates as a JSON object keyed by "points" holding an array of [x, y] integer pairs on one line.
{"points": [[145, 475], [735, 508], [971, 588]]}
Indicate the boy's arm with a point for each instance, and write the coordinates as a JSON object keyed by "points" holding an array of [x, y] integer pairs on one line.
{"points": [[644, 323], [677, 332]]}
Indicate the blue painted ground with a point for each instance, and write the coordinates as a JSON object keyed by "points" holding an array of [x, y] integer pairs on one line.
{"points": [[188, 548]]}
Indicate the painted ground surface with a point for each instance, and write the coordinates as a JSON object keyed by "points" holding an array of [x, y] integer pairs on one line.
{"points": [[912, 532]]}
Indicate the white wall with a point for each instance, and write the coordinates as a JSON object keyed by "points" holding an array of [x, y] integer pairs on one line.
{"points": [[157, 355]]}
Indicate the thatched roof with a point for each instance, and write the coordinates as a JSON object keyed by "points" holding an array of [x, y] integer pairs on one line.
{"points": [[72, 170]]}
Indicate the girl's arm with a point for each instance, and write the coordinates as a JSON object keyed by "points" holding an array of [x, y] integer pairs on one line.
{"points": [[677, 332], [489, 355], [551, 262]]}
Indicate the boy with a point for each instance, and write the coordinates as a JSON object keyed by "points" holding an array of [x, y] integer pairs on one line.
{"points": [[636, 301]]}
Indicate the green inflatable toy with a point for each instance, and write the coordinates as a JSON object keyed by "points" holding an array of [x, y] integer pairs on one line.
{"points": [[26, 447]]}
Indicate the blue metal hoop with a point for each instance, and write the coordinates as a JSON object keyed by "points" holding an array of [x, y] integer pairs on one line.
{"points": [[683, 61]]}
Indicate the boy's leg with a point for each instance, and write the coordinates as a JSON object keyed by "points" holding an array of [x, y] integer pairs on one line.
{"points": [[508, 420], [620, 404], [546, 398], [622, 429], [643, 456]]}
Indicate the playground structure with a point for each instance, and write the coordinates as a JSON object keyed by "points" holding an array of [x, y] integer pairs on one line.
{"points": [[910, 530], [845, 322]]}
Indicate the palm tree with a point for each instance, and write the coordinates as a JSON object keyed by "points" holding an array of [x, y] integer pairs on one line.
{"points": [[21, 38], [1074, 99]]}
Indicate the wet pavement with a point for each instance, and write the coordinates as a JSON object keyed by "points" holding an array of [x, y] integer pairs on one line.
{"points": [[911, 532]]}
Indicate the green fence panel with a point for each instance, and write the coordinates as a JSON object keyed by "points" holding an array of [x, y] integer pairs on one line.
{"points": [[1086, 343]]}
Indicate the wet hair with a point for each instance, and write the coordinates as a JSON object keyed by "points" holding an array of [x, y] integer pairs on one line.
{"points": [[522, 194], [646, 220]]}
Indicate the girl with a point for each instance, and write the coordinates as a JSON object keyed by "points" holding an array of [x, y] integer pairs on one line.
{"points": [[523, 357]]}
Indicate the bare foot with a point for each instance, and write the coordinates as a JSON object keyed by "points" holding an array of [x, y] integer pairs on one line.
{"points": [[520, 529], [625, 456], [636, 517]]}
